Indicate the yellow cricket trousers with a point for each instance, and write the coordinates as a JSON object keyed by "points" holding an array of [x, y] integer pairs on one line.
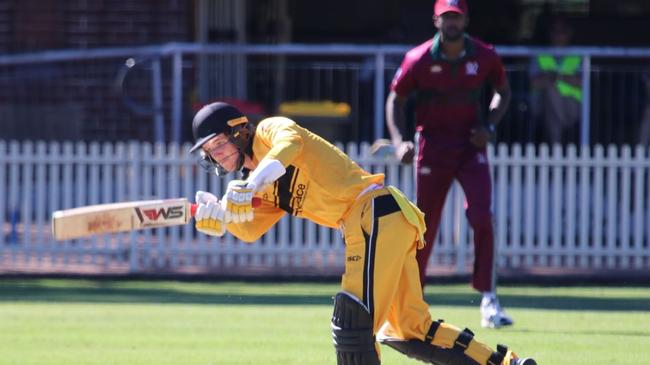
{"points": [[382, 272], [380, 265]]}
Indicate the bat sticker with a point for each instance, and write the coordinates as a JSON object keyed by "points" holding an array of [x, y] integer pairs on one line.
{"points": [[152, 215]]}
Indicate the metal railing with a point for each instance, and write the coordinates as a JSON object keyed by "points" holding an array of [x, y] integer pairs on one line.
{"points": [[170, 75]]}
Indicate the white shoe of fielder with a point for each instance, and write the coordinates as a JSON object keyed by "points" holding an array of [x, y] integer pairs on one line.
{"points": [[492, 315]]}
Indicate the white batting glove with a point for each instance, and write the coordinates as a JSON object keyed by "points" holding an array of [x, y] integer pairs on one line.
{"points": [[209, 215], [238, 201]]}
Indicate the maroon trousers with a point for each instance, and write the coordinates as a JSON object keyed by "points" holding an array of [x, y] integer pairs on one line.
{"points": [[436, 171]]}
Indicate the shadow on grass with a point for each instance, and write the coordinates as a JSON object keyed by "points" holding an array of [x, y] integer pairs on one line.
{"points": [[114, 292]]}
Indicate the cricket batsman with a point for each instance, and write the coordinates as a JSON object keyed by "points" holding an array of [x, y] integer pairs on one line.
{"points": [[295, 171]]}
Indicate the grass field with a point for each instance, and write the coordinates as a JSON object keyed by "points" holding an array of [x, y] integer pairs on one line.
{"points": [[136, 322]]}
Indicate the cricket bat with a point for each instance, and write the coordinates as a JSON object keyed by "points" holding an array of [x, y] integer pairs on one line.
{"points": [[123, 217]]}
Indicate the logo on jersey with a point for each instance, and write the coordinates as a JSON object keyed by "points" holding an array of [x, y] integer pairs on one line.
{"points": [[298, 199], [471, 68], [435, 69], [291, 191], [354, 258]]}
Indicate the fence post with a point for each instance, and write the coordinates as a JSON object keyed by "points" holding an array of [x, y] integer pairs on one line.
{"points": [[586, 100], [460, 232], [177, 97], [156, 90], [379, 95], [3, 195], [134, 168], [14, 191]]}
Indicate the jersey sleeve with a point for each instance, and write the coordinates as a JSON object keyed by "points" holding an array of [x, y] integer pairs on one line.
{"points": [[265, 217], [283, 136], [404, 80], [497, 75]]}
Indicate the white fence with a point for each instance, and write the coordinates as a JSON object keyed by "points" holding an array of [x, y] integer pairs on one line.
{"points": [[571, 208]]}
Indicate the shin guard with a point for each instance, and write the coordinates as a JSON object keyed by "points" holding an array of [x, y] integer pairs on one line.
{"points": [[447, 345], [428, 353], [352, 332]]}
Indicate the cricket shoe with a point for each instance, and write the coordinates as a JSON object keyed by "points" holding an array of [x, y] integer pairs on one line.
{"points": [[493, 316], [524, 361]]}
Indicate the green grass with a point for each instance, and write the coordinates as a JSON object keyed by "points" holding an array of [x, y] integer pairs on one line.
{"points": [[134, 322]]}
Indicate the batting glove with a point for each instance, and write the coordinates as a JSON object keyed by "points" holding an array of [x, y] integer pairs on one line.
{"points": [[238, 201], [209, 215]]}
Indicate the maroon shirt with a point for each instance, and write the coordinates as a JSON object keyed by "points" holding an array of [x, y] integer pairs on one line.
{"points": [[448, 92]]}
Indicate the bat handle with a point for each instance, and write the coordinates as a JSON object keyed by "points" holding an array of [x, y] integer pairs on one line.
{"points": [[256, 203]]}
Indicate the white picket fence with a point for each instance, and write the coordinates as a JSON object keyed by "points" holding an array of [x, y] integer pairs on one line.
{"points": [[571, 208]]}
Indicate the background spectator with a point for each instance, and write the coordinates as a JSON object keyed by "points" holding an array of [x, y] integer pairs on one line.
{"points": [[556, 94]]}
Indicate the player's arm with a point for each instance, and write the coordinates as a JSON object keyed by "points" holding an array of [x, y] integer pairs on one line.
{"points": [[210, 218], [285, 140], [499, 104], [402, 84], [396, 117], [482, 133], [284, 137], [266, 216]]}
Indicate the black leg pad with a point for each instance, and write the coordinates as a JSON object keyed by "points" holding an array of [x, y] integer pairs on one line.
{"points": [[428, 353], [352, 332]]}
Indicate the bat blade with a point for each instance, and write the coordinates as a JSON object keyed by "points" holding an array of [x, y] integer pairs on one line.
{"points": [[119, 217]]}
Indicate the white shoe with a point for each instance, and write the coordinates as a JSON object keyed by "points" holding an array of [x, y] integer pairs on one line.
{"points": [[492, 315]]}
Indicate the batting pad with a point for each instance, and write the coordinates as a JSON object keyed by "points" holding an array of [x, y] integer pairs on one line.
{"points": [[451, 337]]}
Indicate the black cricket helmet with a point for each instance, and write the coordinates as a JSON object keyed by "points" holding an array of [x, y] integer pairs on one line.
{"points": [[214, 119]]}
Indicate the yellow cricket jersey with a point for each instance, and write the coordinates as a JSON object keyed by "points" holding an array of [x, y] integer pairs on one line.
{"points": [[321, 182]]}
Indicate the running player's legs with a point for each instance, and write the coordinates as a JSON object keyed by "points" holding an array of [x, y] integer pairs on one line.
{"points": [[432, 185], [474, 177]]}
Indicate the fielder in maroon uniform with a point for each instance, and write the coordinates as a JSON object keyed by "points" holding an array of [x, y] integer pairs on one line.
{"points": [[446, 75]]}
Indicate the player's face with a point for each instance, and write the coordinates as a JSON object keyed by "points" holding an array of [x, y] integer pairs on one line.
{"points": [[451, 24], [222, 151]]}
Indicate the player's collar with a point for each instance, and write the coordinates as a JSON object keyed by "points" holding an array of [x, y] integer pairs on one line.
{"points": [[436, 51]]}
